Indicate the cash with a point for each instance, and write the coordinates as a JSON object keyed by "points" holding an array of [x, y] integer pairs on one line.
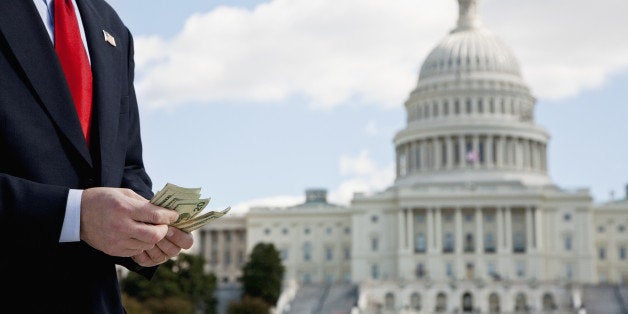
{"points": [[189, 204]]}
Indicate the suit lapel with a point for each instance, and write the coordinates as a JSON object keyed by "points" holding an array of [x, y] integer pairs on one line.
{"points": [[26, 35], [105, 59]]}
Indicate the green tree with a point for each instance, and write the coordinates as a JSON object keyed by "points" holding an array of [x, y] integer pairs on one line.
{"points": [[180, 286], [248, 305], [263, 273]]}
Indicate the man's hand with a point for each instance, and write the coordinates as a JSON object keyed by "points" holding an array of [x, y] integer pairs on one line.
{"points": [[122, 223], [168, 247]]}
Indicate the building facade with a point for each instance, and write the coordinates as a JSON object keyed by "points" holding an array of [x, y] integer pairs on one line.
{"points": [[314, 238], [472, 223]]}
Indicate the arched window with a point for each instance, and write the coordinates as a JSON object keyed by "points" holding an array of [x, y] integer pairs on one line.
{"points": [[441, 303], [389, 301], [415, 301], [493, 303], [521, 303], [467, 302], [548, 302]]}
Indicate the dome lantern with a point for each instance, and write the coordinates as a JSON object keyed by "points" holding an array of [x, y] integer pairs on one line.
{"points": [[468, 17]]}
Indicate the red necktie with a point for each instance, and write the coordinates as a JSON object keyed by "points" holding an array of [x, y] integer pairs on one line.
{"points": [[74, 61]]}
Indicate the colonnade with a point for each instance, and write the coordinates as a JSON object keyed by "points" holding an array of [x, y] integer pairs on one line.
{"points": [[479, 151], [432, 223]]}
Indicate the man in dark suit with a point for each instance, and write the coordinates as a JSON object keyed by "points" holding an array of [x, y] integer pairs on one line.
{"points": [[73, 188]]}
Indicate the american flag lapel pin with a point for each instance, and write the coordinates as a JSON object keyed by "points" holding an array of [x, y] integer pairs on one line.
{"points": [[108, 38]]}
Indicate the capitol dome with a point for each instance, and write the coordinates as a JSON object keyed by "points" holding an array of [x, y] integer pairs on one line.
{"points": [[471, 116], [470, 47]]}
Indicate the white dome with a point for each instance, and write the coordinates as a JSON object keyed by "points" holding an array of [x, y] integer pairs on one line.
{"points": [[471, 115], [470, 50]]}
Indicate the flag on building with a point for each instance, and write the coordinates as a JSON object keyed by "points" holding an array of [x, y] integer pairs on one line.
{"points": [[472, 156]]}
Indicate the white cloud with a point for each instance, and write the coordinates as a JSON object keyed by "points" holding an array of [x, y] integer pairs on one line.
{"points": [[332, 53], [271, 201], [358, 166], [564, 46], [364, 175], [361, 172], [326, 52], [371, 128]]}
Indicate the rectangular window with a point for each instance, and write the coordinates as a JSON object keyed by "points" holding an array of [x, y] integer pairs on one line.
{"points": [[519, 243], [568, 244], [374, 244], [448, 245], [521, 269], [489, 243], [227, 257], [601, 253], [444, 152], [284, 254], [449, 268], [329, 253], [420, 270], [420, 245], [375, 271], [491, 269], [622, 253], [347, 253], [307, 251], [569, 271]]}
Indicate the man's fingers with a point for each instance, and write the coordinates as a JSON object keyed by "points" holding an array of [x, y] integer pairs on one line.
{"points": [[179, 238], [148, 233], [155, 215]]}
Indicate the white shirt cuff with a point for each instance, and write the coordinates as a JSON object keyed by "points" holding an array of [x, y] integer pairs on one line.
{"points": [[71, 230]]}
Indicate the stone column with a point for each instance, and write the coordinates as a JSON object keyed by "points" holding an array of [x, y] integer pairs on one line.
{"points": [[423, 154], [525, 150], [461, 151], [458, 223], [438, 227], [476, 148], [411, 157], [488, 152], [401, 215], [499, 238], [508, 225], [436, 143], [538, 228], [410, 229], [429, 237], [450, 152], [529, 230], [479, 231]]}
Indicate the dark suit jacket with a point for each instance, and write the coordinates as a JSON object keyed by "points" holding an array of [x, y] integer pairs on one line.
{"points": [[43, 154]]}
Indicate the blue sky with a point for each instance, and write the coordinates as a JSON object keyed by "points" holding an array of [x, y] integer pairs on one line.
{"points": [[256, 101]]}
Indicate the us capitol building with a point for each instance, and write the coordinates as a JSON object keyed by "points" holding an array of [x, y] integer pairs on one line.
{"points": [[472, 223]]}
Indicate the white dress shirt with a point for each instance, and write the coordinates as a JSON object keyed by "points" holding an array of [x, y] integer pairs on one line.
{"points": [[71, 230]]}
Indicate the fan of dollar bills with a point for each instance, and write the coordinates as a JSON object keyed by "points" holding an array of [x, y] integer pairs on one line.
{"points": [[189, 204]]}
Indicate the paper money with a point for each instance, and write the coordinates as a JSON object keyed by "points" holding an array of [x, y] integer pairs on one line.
{"points": [[189, 204], [200, 221]]}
